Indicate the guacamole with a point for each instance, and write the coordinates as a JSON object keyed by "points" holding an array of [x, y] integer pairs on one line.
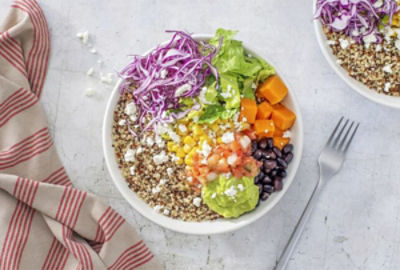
{"points": [[231, 197]]}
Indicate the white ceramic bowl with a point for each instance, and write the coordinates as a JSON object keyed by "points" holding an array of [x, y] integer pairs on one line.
{"points": [[209, 227], [359, 87]]}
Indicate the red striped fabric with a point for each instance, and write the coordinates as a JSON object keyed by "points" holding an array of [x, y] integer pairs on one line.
{"points": [[79, 231]]}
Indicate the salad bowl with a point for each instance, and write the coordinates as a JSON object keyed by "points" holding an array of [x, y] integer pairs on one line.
{"points": [[362, 89], [204, 227]]}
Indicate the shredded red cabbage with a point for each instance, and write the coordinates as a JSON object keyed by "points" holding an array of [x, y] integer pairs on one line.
{"points": [[169, 72], [357, 18]]}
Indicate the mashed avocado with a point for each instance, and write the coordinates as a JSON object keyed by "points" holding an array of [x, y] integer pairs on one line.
{"points": [[231, 197]]}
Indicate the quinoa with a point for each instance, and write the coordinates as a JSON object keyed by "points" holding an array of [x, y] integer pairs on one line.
{"points": [[165, 190], [367, 64]]}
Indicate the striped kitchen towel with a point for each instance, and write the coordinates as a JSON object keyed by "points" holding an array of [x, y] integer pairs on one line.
{"points": [[45, 223]]}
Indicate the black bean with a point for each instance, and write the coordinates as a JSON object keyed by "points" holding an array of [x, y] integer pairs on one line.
{"points": [[282, 163], [261, 175], [262, 144], [277, 151], [268, 188], [270, 142], [282, 173], [265, 170], [289, 157], [257, 180], [273, 173], [266, 180], [264, 196], [253, 146], [269, 154], [288, 148], [260, 188], [270, 164], [278, 185], [258, 154]]}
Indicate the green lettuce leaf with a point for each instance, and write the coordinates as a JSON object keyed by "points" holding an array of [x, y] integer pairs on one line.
{"points": [[211, 113]]}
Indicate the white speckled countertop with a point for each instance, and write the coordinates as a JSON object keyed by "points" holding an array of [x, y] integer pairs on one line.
{"points": [[356, 224]]}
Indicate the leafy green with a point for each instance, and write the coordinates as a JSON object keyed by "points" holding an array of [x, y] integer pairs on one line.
{"points": [[239, 74], [211, 113], [230, 93]]}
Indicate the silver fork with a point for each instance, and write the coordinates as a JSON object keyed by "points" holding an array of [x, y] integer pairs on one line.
{"points": [[330, 161]]}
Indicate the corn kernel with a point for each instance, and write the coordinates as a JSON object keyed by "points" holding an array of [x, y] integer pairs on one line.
{"points": [[219, 140], [180, 153], [188, 161], [179, 161], [215, 127], [187, 148], [189, 141]]}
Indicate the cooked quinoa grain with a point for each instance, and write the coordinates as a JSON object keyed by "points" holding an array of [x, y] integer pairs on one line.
{"points": [[150, 172], [377, 65]]}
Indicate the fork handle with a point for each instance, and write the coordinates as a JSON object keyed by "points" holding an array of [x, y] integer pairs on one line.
{"points": [[298, 230]]}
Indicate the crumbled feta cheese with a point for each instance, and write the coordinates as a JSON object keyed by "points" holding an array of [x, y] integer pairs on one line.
{"points": [[206, 149], [90, 72], [232, 159], [387, 87], [122, 122], [139, 150], [94, 51], [159, 141], [339, 61], [149, 141], [287, 134], [228, 137], [132, 170], [190, 179], [228, 175], [231, 192], [163, 73], [160, 158], [240, 187], [253, 86], [84, 37], [245, 141], [331, 42], [158, 208], [378, 4], [174, 157], [106, 78], [129, 155], [170, 171], [344, 43], [133, 117], [166, 212], [197, 201], [89, 92], [175, 137], [213, 195], [211, 176], [397, 44], [387, 68], [163, 181], [182, 128], [182, 89], [155, 190], [130, 108], [378, 48], [369, 39]]}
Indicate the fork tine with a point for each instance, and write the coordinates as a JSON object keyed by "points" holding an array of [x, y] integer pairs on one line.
{"points": [[334, 131], [345, 136], [351, 138], [335, 143]]}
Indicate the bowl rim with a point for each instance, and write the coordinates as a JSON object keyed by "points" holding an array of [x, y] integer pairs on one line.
{"points": [[362, 89], [195, 228]]}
